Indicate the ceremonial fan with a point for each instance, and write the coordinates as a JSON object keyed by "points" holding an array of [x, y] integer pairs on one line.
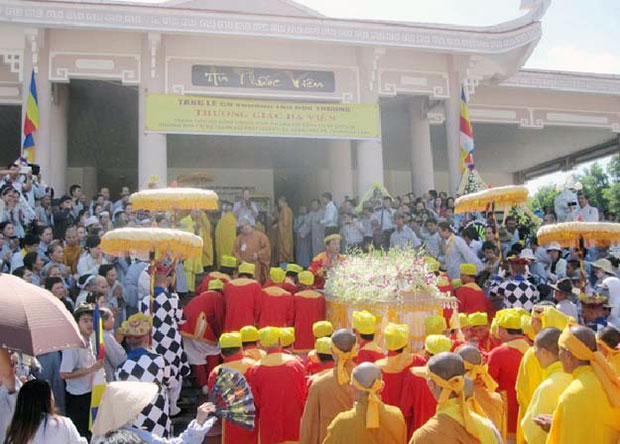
{"points": [[233, 398], [580, 235]]}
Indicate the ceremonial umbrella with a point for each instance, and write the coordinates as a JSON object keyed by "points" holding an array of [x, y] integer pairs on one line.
{"points": [[487, 200], [33, 321], [580, 235]]}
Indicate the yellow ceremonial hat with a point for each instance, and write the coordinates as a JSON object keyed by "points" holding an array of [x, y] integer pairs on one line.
{"points": [[432, 264], [137, 325], [526, 326], [277, 275], [249, 333], [323, 346], [435, 325], [229, 262], [247, 268], [510, 319], [287, 335], [434, 344], [321, 329], [456, 283], [478, 318], [230, 340], [215, 284], [269, 336], [294, 268], [552, 317], [468, 269], [364, 322], [306, 278], [396, 336], [464, 320], [331, 237]]}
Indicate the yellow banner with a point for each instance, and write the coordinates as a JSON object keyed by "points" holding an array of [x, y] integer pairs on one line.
{"points": [[176, 114]]}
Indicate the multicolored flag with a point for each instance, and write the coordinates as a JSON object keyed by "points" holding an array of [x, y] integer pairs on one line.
{"points": [[99, 382], [467, 135], [31, 121]]}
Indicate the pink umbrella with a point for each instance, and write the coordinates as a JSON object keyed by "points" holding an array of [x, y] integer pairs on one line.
{"points": [[32, 320]]}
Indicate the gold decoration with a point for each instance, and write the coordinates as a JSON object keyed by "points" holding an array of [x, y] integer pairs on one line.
{"points": [[507, 196], [163, 242], [568, 234], [168, 199]]}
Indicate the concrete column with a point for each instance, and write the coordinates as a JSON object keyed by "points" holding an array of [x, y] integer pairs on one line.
{"points": [[340, 172], [152, 148], [422, 171], [453, 117], [59, 140]]}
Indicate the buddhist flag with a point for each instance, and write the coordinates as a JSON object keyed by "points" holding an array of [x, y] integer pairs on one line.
{"points": [[466, 135], [31, 120], [99, 382]]}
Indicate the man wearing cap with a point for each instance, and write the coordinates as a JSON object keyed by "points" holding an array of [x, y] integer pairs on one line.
{"points": [[204, 323], [309, 308], [516, 291], [242, 298], [588, 411], [454, 420], [326, 260], [252, 246], [563, 290], [291, 281], [277, 307], [484, 401], [287, 335], [228, 266], [470, 296], [232, 354], [143, 365], [444, 283], [504, 361], [330, 392], [479, 332], [370, 420], [313, 363], [167, 341], [249, 342], [594, 310], [609, 283], [320, 360], [278, 383], [364, 325]]}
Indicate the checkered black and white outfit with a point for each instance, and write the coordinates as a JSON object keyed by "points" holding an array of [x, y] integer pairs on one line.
{"points": [[517, 292], [145, 366]]}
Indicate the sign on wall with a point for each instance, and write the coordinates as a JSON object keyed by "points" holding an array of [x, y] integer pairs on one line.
{"points": [[178, 114], [263, 78]]}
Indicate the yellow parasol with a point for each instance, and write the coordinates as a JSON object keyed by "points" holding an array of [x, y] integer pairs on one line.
{"points": [[167, 199], [580, 235], [507, 196]]}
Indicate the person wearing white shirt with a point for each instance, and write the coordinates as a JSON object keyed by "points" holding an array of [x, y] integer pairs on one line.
{"points": [[609, 283], [585, 212], [385, 216], [556, 269], [456, 252], [90, 261], [432, 240], [563, 290], [330, 216], [352, 232], [244, 208], [403, 236]]}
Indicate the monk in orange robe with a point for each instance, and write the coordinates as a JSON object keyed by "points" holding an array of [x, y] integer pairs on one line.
{"points": [[285, 232], [504, 362], [242, 297], [249, 342], [278, 382], [252, 246], [230, 345], [277, 307], [364, 325], [470, 296], [309, 308], [326, 260]]}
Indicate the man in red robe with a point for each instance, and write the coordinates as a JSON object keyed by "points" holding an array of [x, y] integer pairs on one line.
{"points": [[444, 283], [504, 361], [249, 342], [326, 260], [313, 362], [242, 297], [321, 360], [470, 296], [278, 382], [277, 307], [230, 345], [226, 272], [291, 283], [204, 321], [364, 325], [309, 308]]}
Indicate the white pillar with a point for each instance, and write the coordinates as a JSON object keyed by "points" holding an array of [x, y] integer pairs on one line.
{"points": [[453, 117], [422, 171], [369, 164], [59, 140], [152, 148], [340, 172]]}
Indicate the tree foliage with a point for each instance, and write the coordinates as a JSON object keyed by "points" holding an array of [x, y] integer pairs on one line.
{"points": [[543, 198], [595, 181]]}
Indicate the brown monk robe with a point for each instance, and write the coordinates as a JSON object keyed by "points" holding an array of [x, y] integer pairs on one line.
{"points": [[253, 247], [330, 392], [285, 232]]}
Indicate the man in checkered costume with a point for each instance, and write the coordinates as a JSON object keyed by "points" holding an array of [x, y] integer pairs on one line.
{"points": [[167, 340], [142, 365], [516, 291]]}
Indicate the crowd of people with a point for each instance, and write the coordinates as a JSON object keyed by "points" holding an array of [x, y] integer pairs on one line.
{"points": [[535, 338]]}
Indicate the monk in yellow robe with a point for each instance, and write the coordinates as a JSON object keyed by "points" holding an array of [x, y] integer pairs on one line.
{"points": [[454, 421], [192, 223], [608, 339], [253, 247], [285, 232], [589, 409], [330, 393], [207, 241], [225, 233], [485, 402], [547, 394], [370, 421]]}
